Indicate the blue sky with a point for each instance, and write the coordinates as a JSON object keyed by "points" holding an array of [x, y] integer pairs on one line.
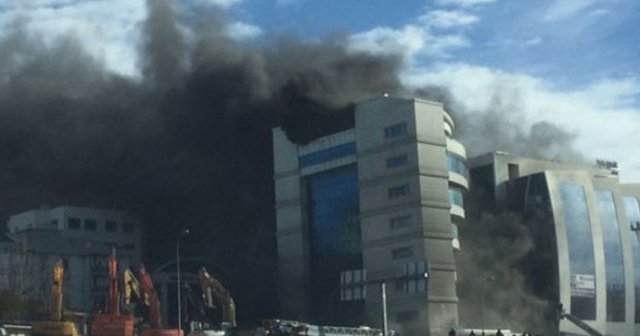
{"points": [[572, 62]]}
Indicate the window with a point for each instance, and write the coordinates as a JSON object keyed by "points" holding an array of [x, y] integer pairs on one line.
{"points": [[54, 223], [457, 164], [129, 246], [455, 197], [395, 130], [581, 255], [328, 154], [614, 264], [89, 224], [403, 252], [399, 191], [632, 210], [128, 227], [397, 161], [400, 222], [73, 223], [110, 226]]}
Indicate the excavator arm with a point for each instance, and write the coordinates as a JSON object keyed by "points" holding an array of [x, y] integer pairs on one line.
{"points": [[211, 288], [132, 287], [55, 308], [578, 322], [150, 297]]}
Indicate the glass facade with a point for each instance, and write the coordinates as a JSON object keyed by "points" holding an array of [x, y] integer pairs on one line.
{"points": [[457, 164], [581, 256], [612, 255], [327, 154], [455, 197], [632, 210], [334, 227]]}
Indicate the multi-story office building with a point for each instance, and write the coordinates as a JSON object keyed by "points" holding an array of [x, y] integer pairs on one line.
{"points": [[82, 238], [383, 196], [586, 227]]}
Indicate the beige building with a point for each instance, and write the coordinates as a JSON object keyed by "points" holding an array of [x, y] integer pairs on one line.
{"points": [[383, 196]]}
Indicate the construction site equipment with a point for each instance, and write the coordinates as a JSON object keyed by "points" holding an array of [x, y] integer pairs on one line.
{"points": [[111, 322], [577, 321], [212, 288], [146, 293], [276, 327], [55, 326]]}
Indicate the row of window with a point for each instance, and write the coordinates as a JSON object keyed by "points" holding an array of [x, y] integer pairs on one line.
{"points": [[328, 154], [395, 130], [457, 164], [89, 224]]}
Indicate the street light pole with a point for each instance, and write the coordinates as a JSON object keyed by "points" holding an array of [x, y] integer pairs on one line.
{"points": [[383, 292], [182, 234]]}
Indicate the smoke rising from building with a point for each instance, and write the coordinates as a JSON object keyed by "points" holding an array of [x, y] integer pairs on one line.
{"points": [[187, 144]]}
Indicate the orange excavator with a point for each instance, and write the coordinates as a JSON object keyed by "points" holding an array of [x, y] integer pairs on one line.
{"points": [[146, 293], [56, 326], [111, 322]]}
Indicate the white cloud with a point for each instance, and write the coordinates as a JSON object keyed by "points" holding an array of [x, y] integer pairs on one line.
{"points": [[562, 9], [604, 115], [221, 3], [463, 3], [533, 41], [409, 41], [447, 19], [243, 31], [107, 29]]}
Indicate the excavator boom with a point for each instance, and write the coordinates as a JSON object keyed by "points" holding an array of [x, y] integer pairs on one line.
{"points": [[211, 287], [55, 308], [55, 326], [111, 323]]}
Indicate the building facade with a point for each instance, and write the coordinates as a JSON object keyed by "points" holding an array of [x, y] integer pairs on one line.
{"points": [[586, 225], [82, 238], [384, 197]]}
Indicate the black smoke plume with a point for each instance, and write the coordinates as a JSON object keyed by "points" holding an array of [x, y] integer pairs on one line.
{"points": [[189, 143]]}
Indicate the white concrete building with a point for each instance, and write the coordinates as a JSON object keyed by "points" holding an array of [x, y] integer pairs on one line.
{"points": [[81, 237]]}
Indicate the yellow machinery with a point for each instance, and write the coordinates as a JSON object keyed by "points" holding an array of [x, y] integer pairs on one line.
{"points": [[55, 326], [212, 288]]}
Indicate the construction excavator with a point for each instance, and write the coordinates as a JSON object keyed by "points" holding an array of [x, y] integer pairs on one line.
{"points": [[147, 295], [55, 326], [111, 322], [213, 289]]}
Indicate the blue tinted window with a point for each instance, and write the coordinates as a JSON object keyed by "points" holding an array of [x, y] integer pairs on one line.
{"points": [[395, 130], [581, 257], [632, 210], [455, 197], [327, 154], [612, 256], [398, 191], [397, 161], [457, 164], [335, 244]]}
